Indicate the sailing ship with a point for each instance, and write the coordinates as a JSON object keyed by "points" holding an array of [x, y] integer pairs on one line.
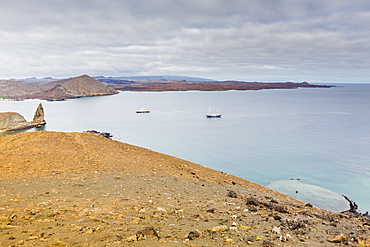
{"points": [[212, 113], [143, 110]]}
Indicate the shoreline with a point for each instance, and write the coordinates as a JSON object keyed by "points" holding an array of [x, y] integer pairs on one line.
{"points": [[351, 206], [57, 93], [212, 86]]}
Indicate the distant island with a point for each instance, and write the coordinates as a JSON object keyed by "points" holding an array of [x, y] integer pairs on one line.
{"points": [[52, 89], [75, 87], [213, 86]]}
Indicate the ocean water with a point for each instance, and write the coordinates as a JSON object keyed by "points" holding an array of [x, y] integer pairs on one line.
{"points": [[319, 135]]}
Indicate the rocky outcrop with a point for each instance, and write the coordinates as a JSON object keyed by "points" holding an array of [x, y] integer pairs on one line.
{"points": [[11, 121], [103, 134], [39, 116]]}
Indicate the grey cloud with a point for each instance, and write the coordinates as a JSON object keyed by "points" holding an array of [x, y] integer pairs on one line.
{"points": [[219, 39]]}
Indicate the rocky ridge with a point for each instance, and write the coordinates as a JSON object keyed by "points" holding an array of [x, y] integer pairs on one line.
{"points": [[81, 189], [75, 87]]}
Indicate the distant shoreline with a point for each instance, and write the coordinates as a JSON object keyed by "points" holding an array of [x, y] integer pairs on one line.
{"points": [[211, 86]]}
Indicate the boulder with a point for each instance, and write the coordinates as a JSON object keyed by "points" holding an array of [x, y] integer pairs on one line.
{"points": [[12, 120]]}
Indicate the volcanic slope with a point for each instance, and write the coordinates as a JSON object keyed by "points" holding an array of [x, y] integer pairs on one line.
{"points": [[80, 189], [75, 87]]}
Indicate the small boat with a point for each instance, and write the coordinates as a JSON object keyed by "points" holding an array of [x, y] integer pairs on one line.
{"points": [[143, 110], [213, 114]]}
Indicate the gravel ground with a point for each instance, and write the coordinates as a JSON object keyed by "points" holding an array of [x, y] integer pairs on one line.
{"points": [[79, 189]]}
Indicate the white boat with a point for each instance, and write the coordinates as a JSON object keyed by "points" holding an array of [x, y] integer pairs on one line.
{"points": [[143, 110], [213, 114]]}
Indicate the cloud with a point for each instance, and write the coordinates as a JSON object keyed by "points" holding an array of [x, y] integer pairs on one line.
{"points": [[270, 40]]}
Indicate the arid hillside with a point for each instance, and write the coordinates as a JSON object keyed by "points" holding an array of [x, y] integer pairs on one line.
{"points": [[80, 86], [13, 89], [85, 86], [81, 189]]}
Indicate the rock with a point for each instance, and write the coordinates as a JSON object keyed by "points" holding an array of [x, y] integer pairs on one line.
{"points": [[57, 243], [161, 210], [103, 134], [232, 194], [337, 239], [276, 230], [194, 234], [149, 230], [352, 206], [267, 243], [132, 238], [283, 238], [277, 208], [364, 243], [211, 210], [218, 228], [274, 201], [10, 121], [228, 240], [252, 201], [38, 117], [277, 217]]}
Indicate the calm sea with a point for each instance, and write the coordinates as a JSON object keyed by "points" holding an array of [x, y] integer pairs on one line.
{"points": [[319, 135]]}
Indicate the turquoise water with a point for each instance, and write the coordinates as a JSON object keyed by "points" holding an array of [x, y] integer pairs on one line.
{"points": [[316, 195], [319, 135]]}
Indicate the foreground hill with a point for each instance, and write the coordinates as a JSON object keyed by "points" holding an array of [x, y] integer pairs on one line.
{"points": [[75, 87], [80, 189]]}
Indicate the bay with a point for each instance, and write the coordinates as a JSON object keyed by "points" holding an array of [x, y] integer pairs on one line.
{"points": [[319, 135]]}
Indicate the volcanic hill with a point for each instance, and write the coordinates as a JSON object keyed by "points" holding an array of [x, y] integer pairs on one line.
{"points": [[81, 189], [75, 87]]}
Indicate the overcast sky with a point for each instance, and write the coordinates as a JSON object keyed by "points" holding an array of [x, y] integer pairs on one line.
{"points": [[250, 40]]}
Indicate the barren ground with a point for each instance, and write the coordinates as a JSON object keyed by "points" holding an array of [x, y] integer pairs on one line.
{"points": [[79, 189]]}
